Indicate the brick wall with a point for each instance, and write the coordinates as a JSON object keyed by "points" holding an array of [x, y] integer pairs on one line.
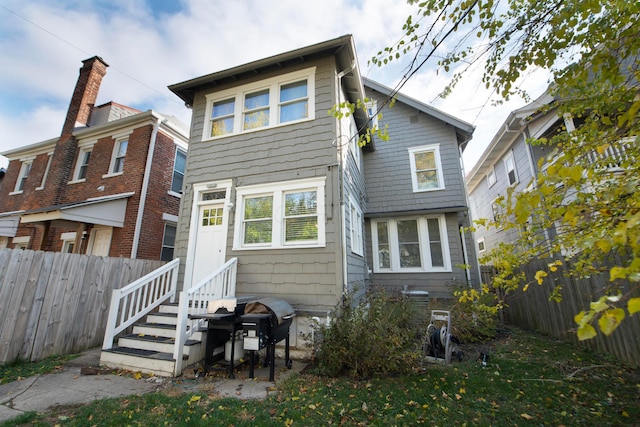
{"points": [[158, 200]]}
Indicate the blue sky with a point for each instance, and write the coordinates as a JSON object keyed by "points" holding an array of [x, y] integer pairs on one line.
{"points": [[154, 43]]}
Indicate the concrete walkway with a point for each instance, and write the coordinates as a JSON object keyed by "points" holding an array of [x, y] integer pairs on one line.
{"points": [[71, 386]]}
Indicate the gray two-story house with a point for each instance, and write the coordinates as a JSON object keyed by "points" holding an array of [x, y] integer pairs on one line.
{"points": [[282, 185]]}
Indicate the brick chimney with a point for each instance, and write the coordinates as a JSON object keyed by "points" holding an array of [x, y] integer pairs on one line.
{"points": [[85, 93]]}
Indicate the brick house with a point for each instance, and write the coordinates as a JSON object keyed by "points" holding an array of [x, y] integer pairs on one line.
{"points": [[109, 185]]}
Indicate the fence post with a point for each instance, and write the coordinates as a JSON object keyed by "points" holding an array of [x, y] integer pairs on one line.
{"points": [[112, 320]]}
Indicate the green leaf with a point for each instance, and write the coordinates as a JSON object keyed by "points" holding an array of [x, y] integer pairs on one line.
{"points": [[633, 306]]}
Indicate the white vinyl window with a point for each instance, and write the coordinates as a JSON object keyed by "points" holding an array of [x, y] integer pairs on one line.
{"points": [[481, 245], [510, 166], [354, 148], [46, 172], [179, 166], [357, 245], [280, 215], [497, 213], [410, 245], [119, 154], [21, 242], [491, 177], [68, 242], [23, 175], [426, 169], [289, 98]]}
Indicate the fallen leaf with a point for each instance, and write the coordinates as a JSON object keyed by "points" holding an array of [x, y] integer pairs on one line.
{"points": [[526, 416]]}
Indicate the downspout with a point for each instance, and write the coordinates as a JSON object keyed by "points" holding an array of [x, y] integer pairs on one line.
{"points": [[145, 188], [343, 223], [465, 253]]}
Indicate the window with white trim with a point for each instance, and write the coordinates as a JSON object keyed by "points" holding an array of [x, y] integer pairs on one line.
{"points": [[280, 215], [481, 245], [497, 212], [417, 244], [426, 169], [357, 246], [46, 172], [168, 242], [21, 242], [23, 175], [491, 177], [354, 139], [119, 153], [82, 164], [179, 165], [68, 242], [289, 98], [510, 166], [372, 112]]}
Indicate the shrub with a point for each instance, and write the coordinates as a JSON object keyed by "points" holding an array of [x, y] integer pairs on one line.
{"points": [[474, 314], [372, 338]]}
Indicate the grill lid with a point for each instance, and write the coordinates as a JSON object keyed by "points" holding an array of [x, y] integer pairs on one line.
{"points": [[278, 308]]}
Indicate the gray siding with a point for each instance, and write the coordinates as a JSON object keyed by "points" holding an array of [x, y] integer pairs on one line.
{"points": [[390, 194], [388, 170], [310, 279], [482, 196]]}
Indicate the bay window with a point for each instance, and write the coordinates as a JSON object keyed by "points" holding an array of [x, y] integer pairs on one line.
{"points": [[410, 244]]}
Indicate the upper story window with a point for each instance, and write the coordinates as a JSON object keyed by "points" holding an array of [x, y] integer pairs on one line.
{"points": [[510, 166], [353, 141], [280, 215], [268, 103], [116, 166], [119, 155], [357, 245], [178, 171], [23, 175], [481, 245], [491, 177], [372, 111], [426, 169], [46, 171], [410, 245]]}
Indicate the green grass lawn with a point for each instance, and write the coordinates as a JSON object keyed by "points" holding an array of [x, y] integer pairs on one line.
{"points": [[531, 380]]}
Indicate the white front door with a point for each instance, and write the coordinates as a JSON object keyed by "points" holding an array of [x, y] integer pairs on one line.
{"points": [[100, 241], [211, 240]]}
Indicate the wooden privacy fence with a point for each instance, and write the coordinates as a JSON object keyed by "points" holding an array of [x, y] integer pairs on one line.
{"points": [[56, 303], [533, 310]]}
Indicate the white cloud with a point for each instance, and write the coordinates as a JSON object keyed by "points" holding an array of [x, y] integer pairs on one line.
{"points": [[43, 47]]}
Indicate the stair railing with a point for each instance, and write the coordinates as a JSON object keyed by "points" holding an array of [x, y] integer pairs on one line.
{"points": [[137, 299], [219, 284]]}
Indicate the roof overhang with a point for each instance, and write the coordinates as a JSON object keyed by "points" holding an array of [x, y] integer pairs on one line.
{"points": [[511, 129], [464, 130], [109, 211], [343, 48], [9, 223]]}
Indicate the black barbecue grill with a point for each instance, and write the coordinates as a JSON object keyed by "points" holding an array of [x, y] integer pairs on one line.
{"points": [[265, 323]]}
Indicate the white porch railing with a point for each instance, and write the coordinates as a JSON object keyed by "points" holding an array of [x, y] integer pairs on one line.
{"points": [[137, 299], [217, 285]]}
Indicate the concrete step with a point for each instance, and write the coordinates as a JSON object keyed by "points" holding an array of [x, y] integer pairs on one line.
{"points": [[156, 343], [163, 318], [164, 330], [146, 361]]}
